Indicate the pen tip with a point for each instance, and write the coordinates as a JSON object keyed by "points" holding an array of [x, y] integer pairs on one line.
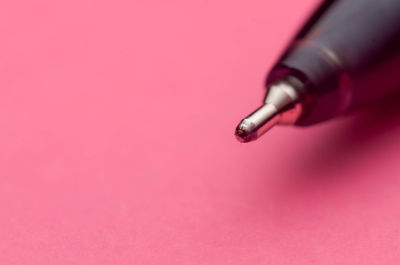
{"points": [[244, 133], [282, 105]]}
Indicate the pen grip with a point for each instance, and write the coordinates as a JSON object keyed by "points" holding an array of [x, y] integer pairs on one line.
{"points": [[348, 54]]}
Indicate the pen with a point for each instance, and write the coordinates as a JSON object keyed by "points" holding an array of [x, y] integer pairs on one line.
{"points": [[346, 56]]}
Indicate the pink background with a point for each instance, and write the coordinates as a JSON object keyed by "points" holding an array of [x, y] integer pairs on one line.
{"points": [[117, 146]]}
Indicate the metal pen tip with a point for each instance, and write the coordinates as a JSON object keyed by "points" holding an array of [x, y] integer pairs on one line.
{"points": [[281, 106], [243, 134], [257, 123]]}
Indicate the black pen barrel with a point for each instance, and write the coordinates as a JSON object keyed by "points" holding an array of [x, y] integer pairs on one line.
{"points": [[347, 54]]}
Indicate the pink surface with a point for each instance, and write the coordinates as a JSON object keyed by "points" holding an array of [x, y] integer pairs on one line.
{"points": [[117, 147]]}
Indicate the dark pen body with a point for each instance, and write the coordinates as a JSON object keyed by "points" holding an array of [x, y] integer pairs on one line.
{"points": [[347, 55]]}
